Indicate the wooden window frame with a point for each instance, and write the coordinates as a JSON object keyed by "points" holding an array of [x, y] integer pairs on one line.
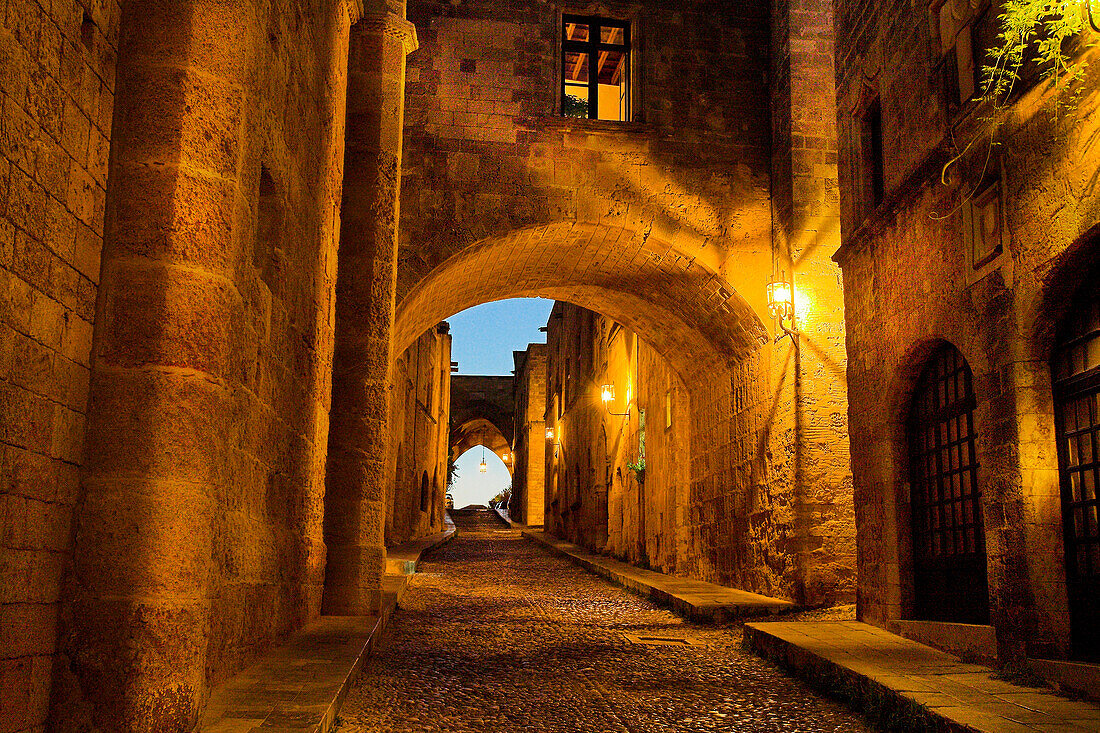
{"points": [[1072, 389], [592, 47]]}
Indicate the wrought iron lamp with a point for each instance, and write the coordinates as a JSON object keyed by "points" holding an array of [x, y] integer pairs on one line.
{"points": [[781, 306], [483, 467]]}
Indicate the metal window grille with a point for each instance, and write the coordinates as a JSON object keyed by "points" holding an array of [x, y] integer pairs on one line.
{"points": [[1076, 367], [948, 537]]}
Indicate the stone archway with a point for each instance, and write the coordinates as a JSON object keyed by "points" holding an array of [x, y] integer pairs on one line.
{"points": [[482, 414], [672, 226], [710, 336]]}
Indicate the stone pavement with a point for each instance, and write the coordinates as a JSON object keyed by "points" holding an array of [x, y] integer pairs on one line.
{"points": [[696, 599], [496, 634], [904, 685]]}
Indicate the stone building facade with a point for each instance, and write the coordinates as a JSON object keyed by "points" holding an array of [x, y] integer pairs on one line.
{"points": [[526, 504], [203, 329], [972, 333], [598, 496], [168, 347], [420, 421], [671, 224]]}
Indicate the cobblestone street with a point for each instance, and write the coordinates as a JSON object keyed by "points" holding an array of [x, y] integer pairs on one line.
{"points": [[495, 634]]}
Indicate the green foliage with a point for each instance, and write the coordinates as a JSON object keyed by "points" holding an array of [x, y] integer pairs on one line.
{"points": [[574, 107], [1038, 32], [501, 499], [452, 471], [638, 469]]}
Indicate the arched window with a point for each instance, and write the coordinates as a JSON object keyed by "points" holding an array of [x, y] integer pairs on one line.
{"points": [[948, 534], [424, 490], [1076, 367]]}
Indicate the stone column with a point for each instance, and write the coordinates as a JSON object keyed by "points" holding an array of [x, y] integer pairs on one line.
{"points": [[359, 434], [806, 232]]}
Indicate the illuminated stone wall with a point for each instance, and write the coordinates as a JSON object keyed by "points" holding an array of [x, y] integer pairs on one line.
{"points": [[912, 281], [422, 397], [529, 448], [712, 504]]}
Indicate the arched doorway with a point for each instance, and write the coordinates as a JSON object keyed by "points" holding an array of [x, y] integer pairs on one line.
{"points": [[948, 533], [1076, 377]]}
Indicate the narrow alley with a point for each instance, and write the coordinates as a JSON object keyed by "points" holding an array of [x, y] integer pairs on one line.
{"points": [[495, 634]]}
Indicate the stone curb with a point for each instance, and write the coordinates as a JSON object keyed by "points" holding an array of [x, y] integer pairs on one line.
{"points": [[508, 519], [893, 697], [882, 704], [693, 599]]}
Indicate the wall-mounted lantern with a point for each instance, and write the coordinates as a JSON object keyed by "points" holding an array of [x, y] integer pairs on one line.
{"points": [[781, 306], [607, 394], [549, 433], [483, 467]]}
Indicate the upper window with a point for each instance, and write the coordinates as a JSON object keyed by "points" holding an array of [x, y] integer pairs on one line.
{"points": [[595, 79], [871, 168]]}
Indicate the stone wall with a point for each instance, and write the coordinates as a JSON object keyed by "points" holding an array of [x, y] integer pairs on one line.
{"points": [[487, 154], [422, 397], [912, 281], [529, 448], [57, 88]]}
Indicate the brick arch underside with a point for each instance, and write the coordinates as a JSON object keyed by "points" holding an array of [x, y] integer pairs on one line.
{"points": [[692, 316]]}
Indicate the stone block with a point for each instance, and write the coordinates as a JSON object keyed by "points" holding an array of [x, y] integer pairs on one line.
{"points": [[184, 118], [172, 317], [27, 629], [175, 215], [161, 425]]}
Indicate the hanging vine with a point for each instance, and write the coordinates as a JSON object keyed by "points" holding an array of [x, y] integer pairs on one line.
{"points": [[1038, 32]]}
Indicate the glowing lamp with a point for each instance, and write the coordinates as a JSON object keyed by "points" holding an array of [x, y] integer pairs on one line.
{"points": [[549, 433], [781, 300], [607, 393], [506, 457], [483, 467]]}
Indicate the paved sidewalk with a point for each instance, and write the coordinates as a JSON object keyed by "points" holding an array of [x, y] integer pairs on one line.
{"points": [[697, 600], [497, 635], [904, 685]]}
